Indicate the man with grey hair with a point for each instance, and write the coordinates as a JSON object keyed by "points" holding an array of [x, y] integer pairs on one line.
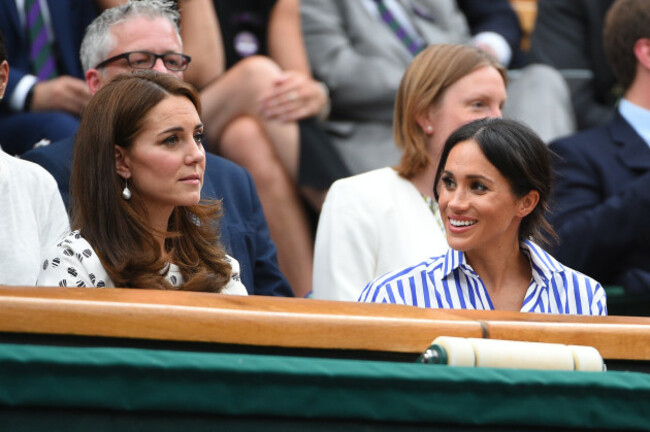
{"points": [[144, 35], [99, 40]]}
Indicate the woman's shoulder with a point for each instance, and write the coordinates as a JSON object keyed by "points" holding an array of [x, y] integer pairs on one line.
{"points": [[389, 284], [583, 294], [30, 177], [576, 280], [235, 285], [544, 263], [74, 242], [369, 178], [369, 188], [72, 262]]}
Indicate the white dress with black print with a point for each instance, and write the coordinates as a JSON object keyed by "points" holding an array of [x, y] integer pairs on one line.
{"points": [[74, 263]]}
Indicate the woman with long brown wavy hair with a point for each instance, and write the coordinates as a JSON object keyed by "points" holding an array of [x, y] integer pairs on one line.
{"points": [[135, 188]]}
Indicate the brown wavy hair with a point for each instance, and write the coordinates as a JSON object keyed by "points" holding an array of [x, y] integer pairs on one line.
{"points": [[424, 83], [118, 230]]}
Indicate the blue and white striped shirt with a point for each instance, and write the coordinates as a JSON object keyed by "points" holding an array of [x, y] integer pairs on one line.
{"points": [[449, 282]]}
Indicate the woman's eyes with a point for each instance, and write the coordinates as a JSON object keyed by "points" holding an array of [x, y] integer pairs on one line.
{"points": [[448, 182], [478, 186], [171, 140]]}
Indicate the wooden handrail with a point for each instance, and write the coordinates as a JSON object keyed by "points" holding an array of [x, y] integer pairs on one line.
{"points": [[297, 323]]}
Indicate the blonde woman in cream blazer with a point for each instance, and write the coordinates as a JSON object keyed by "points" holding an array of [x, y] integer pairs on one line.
{"points": [[387, 218]]}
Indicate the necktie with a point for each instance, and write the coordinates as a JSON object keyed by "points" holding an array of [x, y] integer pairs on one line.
{"points": [[412, 45], [40, 51]]}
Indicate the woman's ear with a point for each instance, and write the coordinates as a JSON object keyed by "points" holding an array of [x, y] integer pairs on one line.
{"points": [[122, 163], [528, 203], [424, 121]]}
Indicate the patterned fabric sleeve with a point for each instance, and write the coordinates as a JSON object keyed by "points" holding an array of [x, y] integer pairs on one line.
{"points": [[72, 263], [234, 285]]}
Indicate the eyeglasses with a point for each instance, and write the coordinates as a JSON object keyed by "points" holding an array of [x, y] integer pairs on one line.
{"points": [[146, 60]]}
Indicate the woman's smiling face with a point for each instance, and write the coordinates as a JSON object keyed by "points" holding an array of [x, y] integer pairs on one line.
{"points": [[478, 206]]}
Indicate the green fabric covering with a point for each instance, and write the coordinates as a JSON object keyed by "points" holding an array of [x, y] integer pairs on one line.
{"points": [[621, 303], [126, 379]]}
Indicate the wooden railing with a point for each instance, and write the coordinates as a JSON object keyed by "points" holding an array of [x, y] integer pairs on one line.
{"points": [[297, 323]]}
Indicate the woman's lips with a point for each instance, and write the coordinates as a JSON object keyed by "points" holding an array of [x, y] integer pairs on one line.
{"points": [[460, 224], [192, 179]]}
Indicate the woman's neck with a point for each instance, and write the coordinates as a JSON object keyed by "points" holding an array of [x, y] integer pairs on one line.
{"points": [[159, 221], [423, 181], [506, 273]]}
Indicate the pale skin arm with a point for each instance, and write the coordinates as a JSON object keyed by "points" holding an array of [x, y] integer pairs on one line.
{"points": [[201, 41], [295, 94]]}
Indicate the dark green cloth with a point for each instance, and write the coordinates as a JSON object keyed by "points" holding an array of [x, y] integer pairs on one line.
{"points": [[141, 380]]}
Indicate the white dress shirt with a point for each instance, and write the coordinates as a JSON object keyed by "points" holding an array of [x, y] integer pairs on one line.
{"points": [[32, 218]]}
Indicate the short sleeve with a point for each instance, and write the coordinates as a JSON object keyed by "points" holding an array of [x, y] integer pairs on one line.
{"points": [[72, 263], [234, 285]]}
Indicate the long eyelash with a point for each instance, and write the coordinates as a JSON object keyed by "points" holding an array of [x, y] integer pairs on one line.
{"points": [[480, 186]]}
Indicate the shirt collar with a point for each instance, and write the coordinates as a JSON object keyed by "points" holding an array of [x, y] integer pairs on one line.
{"points": [[543, 264], [637, 117]]}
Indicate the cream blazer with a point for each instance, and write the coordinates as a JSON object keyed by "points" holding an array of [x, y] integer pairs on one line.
{"points": [[370, 224]]}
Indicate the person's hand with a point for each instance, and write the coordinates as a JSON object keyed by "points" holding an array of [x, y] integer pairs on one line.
{"points": [[64, 93], [293, 96]]}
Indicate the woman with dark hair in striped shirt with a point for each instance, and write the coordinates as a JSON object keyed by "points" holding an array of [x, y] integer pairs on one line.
{"points": [[493, 184]]}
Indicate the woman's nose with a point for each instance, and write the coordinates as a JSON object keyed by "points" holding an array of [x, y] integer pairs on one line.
{"points": [[457, 200], [196, 154]]}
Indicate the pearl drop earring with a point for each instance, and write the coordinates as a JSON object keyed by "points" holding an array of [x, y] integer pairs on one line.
{"points": [[126, 192]]}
